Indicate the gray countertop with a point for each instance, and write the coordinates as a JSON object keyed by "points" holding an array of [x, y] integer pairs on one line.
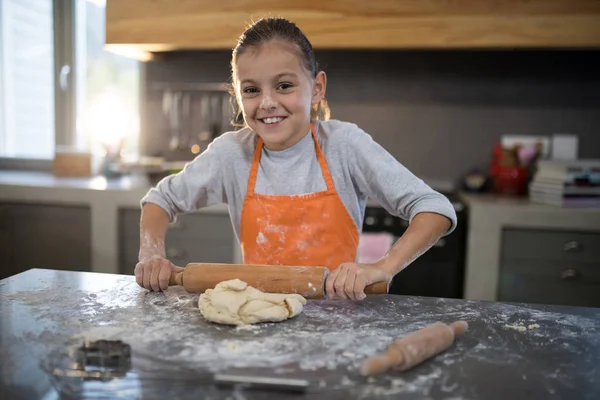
{"points": [[39, 179], [45, 311]]}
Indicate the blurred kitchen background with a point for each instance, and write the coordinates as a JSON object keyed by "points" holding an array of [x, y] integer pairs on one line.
{"points": [[506, 125]]}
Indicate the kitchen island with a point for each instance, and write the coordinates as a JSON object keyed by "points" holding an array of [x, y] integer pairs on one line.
{"points": [[509, 350]]}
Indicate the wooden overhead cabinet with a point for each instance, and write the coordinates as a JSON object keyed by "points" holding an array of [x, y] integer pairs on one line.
{"points": [[162, 25]]}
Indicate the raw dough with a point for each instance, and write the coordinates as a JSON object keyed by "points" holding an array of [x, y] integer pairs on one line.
{"points": [[233, 302]]}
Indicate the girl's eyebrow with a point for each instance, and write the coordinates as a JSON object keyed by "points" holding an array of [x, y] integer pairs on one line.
{"points": [[276, 77], [290, 74]]}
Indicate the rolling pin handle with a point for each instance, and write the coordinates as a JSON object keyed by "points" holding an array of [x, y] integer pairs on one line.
{"points": [[378, 288], [375, 365], [176, 279]]}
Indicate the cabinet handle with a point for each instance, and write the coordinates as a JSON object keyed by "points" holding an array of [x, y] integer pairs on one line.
{"points": [[570, 274], [175, 253], [572, 246]]}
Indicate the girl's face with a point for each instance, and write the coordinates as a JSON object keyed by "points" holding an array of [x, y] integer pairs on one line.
{"points": [[276, 93]]}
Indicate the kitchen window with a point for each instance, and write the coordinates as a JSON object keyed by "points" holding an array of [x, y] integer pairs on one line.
{"points": [[59, 87]]}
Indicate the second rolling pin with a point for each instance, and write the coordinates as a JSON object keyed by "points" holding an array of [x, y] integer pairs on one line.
{"points": [[414, 348], [308, 282]]}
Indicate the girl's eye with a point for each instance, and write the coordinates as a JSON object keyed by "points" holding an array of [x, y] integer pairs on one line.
{"points": [[285, 86], [250, 90]]}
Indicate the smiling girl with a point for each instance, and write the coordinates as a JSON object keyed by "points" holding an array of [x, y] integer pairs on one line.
{"points": [[296, 182]]}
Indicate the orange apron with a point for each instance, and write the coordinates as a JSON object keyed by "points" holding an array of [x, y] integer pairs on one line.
{"points": [[312, 229]]}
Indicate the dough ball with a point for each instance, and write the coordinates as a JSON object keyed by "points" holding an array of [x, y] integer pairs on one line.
{"points": [[233, 302]]}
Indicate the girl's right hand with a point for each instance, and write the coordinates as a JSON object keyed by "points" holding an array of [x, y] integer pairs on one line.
{"points": [[154, 273]]}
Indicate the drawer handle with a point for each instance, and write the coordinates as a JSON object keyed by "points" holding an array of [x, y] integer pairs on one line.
{"points": [[570, 274], [175, 253], [572, 246]]}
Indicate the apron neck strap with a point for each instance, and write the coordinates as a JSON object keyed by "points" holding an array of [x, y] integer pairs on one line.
{"points": [[320, 158]]}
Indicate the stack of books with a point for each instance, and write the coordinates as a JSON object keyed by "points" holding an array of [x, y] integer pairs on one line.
{"points": [[566, 183]]}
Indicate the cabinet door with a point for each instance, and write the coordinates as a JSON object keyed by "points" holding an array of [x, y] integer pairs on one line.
{"points": [[161, 25], [50, 236], [196, 237]]}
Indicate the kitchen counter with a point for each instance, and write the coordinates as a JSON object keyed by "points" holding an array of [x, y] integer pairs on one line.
{"points": [[490, 214], [103, 196], [44, 312]]}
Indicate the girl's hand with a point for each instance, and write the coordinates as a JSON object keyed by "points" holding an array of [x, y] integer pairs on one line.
{"points": [[349, 280], [153, 273]]}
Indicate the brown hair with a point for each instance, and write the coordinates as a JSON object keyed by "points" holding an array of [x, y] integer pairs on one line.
{"points": [[267, 29]]}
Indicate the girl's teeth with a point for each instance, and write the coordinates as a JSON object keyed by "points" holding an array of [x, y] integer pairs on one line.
{"points": [[272, 120]]}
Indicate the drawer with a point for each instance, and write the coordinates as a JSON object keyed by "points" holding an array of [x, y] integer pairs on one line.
{"points": [[559, 270], [551, 245], [514, 287], [550, 282]]}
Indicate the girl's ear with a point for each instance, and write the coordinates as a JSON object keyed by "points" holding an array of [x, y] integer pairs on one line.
{"points": [[319, 87]]}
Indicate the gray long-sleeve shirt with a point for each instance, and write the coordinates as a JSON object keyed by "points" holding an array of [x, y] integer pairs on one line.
{"points": [[359, 166]]}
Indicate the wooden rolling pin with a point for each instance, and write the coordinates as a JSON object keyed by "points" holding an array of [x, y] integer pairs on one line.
{"points": [[306, 281], [414, 348]]}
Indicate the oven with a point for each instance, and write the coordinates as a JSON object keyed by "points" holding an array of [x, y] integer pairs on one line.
{"points": [[437, 273]]}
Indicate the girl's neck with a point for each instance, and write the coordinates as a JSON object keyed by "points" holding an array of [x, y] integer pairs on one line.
{"points": [[293, 140]]}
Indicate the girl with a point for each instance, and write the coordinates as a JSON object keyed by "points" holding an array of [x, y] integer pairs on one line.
{"points": [[295, 182]]}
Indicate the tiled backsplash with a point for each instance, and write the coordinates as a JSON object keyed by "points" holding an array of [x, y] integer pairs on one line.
{"points": [[439, 113]]}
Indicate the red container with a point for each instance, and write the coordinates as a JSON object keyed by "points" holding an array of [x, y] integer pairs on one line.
{"points": [[510, 180]]}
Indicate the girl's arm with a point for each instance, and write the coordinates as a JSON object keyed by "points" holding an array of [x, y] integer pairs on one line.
{"points": [[379, 176], [198, 185], [153, 269], [349, 280], [423, 232]]}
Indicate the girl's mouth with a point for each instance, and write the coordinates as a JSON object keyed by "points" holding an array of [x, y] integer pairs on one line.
{"points": [[271, 121]]}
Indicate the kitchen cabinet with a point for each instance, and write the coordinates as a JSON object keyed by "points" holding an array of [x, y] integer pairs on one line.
{"points": [[140, 27], [196, 237], [44, 236], [550, 267]]}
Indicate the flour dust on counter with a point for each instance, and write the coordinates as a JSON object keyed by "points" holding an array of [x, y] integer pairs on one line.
{"points": [[326, 344]]}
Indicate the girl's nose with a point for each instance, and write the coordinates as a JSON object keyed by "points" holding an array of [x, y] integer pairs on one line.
{"points": [[267, 102]]}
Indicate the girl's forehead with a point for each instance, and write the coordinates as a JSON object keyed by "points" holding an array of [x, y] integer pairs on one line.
{"points": [[268, 60]]}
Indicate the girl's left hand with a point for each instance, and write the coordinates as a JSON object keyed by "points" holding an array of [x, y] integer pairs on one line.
{"points": [[349, 280]]}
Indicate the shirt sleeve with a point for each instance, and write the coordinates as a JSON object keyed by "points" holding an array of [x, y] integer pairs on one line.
{"points": [[200, 184], [379, 176]]}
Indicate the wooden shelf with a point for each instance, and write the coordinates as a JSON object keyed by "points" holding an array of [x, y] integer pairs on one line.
{"points": [[161, 25]]}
